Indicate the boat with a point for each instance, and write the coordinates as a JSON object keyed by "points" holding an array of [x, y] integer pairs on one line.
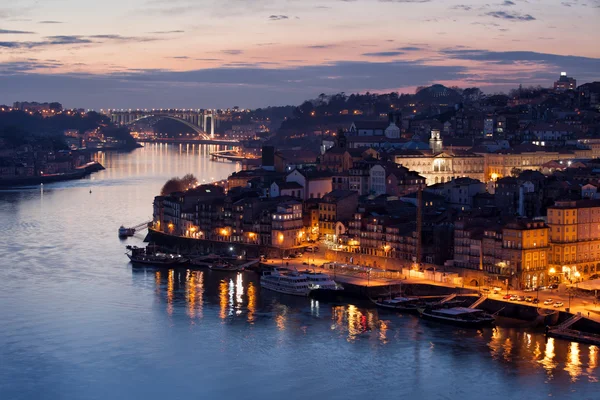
{"points": [[126, 232], [321, 281], [461, 316], [401, 304], [223, 267], [287, 282], [151, 256]]}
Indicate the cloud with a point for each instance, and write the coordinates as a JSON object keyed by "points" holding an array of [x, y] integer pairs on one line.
{"points": [[249, 85], [11, 32], [463, 7], [232, 52], [585, 67], [278, 17], [166, 32], [510, 16], [50, 22], [66, 40], [508, 3], [384, 54], [321, 46], [410, 48]]}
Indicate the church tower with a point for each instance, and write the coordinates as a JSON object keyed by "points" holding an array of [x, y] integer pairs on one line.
{"points": [[435, 143]]}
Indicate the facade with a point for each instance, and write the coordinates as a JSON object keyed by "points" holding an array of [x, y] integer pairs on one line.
{"points": [[444, 166], [315, 183], [565, 83], [526, 246], [336, 206], [287, 229], [575, 239]]}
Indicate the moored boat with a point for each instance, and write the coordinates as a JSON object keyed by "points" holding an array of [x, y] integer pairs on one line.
{"points": [[126, 232], [287, 282], [151, 256], [400, 304], [223, 267], [461, 316], [321, 281]]}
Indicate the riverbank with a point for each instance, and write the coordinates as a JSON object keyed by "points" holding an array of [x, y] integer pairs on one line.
{"points": [[78, 173]]}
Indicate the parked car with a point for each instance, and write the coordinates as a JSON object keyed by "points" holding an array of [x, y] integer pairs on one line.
{"points": [[558, 304], [286, 257], [553, 286], [310, 249], [548, 302], [514, 297], [506, 296], [535, 301], [529, 299], [521, 298]]}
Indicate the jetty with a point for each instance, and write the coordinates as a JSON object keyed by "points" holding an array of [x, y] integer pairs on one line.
{"points": [[564, 331], [230, 155]]}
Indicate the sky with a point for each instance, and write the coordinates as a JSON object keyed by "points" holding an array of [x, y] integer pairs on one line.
{"points": [[254, 53]]}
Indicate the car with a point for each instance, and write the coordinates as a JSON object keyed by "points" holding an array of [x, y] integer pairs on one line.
{"points": [[485, 290], [542, 288], [529, 290], [548, 302], [514, 297], [293, 256], [553, 286], [506, 296], [529, 299], [310, 249], [304, 263], [535, 301], [286, 257], [558, 304], [521, 298], [299, 254]]}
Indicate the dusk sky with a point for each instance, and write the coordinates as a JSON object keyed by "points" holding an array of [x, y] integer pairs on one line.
{"points": [[251, 53]]}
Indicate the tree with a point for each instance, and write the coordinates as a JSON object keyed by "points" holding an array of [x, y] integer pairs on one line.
{"points": [[177, 184], [171, 186], [188, 181], [472, 95]]}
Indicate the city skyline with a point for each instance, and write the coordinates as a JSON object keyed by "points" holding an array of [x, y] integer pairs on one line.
{"points": [[152, 54]]}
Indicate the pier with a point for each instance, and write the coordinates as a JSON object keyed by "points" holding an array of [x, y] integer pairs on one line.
{"points": [[229, 155]]}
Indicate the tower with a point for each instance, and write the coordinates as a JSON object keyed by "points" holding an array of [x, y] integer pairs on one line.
{"points": [[435, 143]]}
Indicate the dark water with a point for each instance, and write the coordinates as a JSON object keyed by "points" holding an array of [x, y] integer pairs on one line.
{"points": [[77, 322]]}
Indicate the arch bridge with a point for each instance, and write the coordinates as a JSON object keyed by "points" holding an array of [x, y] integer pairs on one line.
{"points": [[198, 120]]}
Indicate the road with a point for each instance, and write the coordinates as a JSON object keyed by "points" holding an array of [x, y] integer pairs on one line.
{"points": [[586, 305]]}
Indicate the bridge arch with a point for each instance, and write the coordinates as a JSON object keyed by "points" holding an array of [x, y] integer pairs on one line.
{"points": [[196, 128]]}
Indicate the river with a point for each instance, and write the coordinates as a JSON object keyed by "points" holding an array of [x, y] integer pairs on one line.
{"points": [[77, 322]]}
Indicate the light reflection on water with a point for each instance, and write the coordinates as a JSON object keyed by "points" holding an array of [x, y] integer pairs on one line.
{"points": [[78, 322]]}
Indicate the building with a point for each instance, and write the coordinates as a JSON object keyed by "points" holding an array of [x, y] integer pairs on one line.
{"points": [[336, 206], [459, 193], [565, 83], [287, 228], [315, 183], [442, 167], [526, 247], [574, 240], [393, 179]]}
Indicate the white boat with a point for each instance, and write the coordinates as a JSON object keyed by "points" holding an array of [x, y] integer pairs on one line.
{"points": [[287, 282], [319, 280]]}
